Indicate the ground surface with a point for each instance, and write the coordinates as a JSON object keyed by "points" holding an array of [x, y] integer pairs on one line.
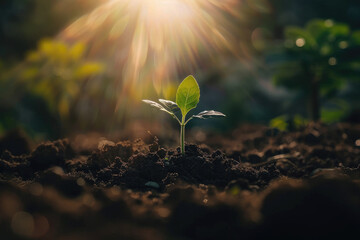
{"points": [[259, 184]]}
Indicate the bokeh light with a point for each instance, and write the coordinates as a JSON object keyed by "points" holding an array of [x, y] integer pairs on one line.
{"points": [[332, 61], [300, 42]]}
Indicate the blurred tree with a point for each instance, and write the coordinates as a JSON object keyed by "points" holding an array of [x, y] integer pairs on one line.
{"points": [[299, 12], [24, 22], [318, 59], [56, 72]]}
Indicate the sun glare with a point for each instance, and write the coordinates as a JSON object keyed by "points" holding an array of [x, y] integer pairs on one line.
{"points": [[153, 43]]}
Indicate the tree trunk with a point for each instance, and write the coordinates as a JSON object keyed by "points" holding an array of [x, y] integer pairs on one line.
{"points": [[314, 101]]}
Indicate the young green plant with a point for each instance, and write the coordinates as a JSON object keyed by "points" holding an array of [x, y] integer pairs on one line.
{"points": [[187, 98]]}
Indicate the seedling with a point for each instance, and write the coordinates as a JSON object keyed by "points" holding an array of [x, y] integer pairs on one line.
{"points": [[187, 98]]}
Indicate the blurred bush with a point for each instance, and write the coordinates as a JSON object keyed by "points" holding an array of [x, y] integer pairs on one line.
{"points": [[319, 60], [49, 84], [57, 73]]}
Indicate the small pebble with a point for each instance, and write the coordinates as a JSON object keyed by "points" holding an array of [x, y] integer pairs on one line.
{"points": [[80, 182], [152, 184]]}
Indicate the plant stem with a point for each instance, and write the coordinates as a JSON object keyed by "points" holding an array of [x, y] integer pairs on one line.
{"points": [[182, 136]]}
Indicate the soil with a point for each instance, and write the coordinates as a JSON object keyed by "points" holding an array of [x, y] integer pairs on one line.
{"points": [[259, 183]]}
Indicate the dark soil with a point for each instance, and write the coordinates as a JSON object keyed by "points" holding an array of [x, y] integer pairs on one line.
{"points": [[260, 184]]}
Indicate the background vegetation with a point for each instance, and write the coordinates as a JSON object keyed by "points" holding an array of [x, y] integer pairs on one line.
{"points": [[297, 61]]}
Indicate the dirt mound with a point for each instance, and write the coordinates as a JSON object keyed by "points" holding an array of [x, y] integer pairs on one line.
{"points": [[260, 183]]}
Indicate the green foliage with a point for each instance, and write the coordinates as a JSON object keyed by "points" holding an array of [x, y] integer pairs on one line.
{"points": [[46, 90], [337, 110], [323, 50], [187, 98], [56, 71], [286, 122], [279, 123], [319, 59]]}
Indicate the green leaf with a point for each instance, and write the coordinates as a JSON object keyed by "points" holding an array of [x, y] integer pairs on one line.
{"points": [[170, 105], [187, 95], [280, 123], [161, 107], [209, 114], [155, 105]]}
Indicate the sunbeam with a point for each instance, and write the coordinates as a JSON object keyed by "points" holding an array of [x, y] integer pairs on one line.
{"points": [[152, 43]]}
